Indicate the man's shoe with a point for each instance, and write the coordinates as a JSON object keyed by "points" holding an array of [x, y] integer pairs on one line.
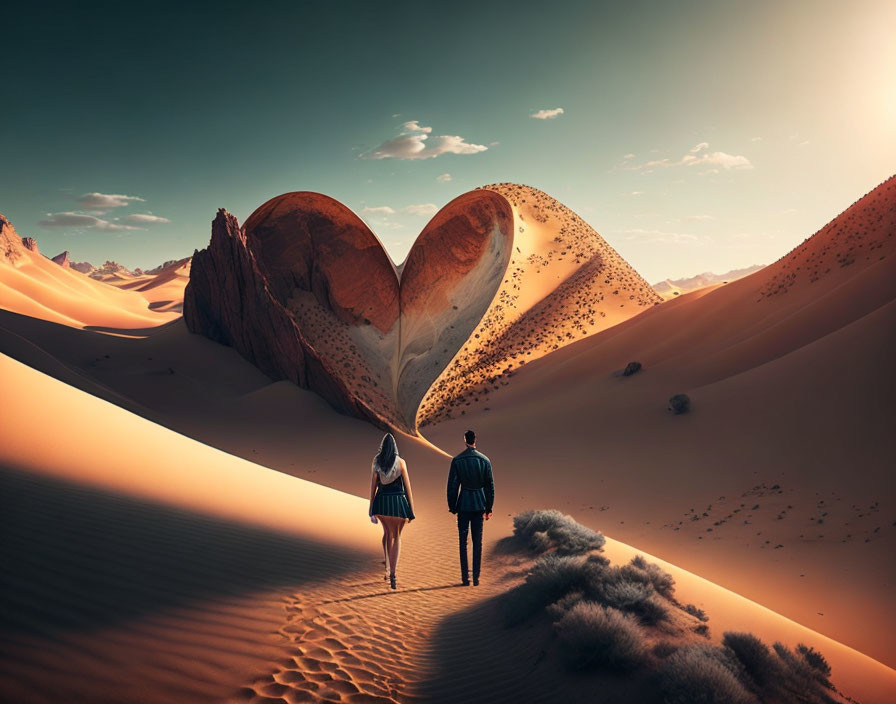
{"points": [[475, 581]]}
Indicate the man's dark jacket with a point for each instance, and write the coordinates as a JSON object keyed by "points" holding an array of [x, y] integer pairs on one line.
{"points": [[471, 487]]}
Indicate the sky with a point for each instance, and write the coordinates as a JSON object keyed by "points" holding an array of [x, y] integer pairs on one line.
{"points": [[693, 136]]}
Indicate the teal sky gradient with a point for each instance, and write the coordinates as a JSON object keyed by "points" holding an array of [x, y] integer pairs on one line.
{"points": [[227, 106]]}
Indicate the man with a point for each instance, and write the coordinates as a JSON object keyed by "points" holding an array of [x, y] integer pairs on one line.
{"points": [[471, 495]]}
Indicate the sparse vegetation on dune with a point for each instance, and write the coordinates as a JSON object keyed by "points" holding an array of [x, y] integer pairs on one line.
{"points": [[626, 619], [679, 404]]}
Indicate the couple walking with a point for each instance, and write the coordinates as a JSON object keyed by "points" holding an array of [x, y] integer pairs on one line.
{"points": [[471, 495]]}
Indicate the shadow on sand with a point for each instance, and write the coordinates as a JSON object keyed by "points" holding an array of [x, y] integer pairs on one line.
{"points": [[80, 558]]}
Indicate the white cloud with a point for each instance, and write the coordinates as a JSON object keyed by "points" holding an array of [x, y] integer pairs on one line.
{"points": [[414, 126], [429, 209], [650, 236], [416, 142], [699, 156], [548, 114], [82, 221], [105, 201], [378, 210], [444, 178], [146, 219], [634, 193], [756, 139], [698, 218], [629, 156]]}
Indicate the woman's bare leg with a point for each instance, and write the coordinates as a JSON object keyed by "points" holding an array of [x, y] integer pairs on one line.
{"points": [[385, 544], [394, 525]]}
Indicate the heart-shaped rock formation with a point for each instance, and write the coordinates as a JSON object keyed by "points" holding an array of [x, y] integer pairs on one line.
{"points": [[500, 276]]}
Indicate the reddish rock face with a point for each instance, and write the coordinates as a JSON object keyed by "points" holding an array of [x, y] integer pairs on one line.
{"points": [[311, 242], [228, 300], [30, 244], [62, 260], [307, 293]]}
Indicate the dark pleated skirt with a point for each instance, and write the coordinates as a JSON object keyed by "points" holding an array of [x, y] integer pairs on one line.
{"points": [[392, 503]]}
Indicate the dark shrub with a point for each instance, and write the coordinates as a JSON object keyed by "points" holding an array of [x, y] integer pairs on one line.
{"points": [[701, 629], [662, 582], [636, 598], [696, 612], [701, 674], [559, 608], [757, 660], [680, 403], [594, 637], [800, 679], [552, 577], [814, 659], [664, 649], [543, 530], [631, 368]]}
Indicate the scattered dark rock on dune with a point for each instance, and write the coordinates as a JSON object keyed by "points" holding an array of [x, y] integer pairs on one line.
{"points": [[631, 368], [680, 403], [30, 244]]}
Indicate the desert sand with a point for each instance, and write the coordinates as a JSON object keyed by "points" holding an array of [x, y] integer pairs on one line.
{"points": [[186, 574], [33, 285], [778, 484], [241, 592]]}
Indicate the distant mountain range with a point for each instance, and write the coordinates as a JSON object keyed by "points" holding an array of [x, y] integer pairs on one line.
{"points": [[675, 287]]}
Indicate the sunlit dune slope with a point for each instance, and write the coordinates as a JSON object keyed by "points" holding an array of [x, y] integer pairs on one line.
{"points": [[778, 484], [36, 286]]}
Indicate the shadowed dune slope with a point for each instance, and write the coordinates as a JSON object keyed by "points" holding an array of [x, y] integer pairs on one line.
{"points": [[140, 565]]}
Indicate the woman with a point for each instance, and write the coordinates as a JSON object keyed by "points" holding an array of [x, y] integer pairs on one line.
{"points": [[391, 500]]}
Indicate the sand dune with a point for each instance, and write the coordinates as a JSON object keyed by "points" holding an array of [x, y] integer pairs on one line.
{"points": [[669, 288], [190, 575], [245, 588], [140, 565], [777, 485], [33, 285], [163, 287]]}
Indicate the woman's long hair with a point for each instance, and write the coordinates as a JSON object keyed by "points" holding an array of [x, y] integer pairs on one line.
{"points": [[385, 458]]}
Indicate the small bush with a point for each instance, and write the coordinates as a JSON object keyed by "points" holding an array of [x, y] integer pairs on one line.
{"points": [[634, 597], [680, 403], [814, 659], [552, 577], [662, 582], [594, 637], [801, 678], [696, 612], [664, 649], [543, 530], [757, 660], [558, 609], [631, 368], [701, 674]]}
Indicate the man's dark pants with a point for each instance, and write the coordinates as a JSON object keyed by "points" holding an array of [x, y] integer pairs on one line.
{"points": [[470, 521]]}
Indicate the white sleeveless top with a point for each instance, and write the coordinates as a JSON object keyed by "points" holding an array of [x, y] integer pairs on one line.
{"points": [[390, 475]]}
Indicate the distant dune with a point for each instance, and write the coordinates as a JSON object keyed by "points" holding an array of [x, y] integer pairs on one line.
{"points": [[669, 288], [34, 285]]}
